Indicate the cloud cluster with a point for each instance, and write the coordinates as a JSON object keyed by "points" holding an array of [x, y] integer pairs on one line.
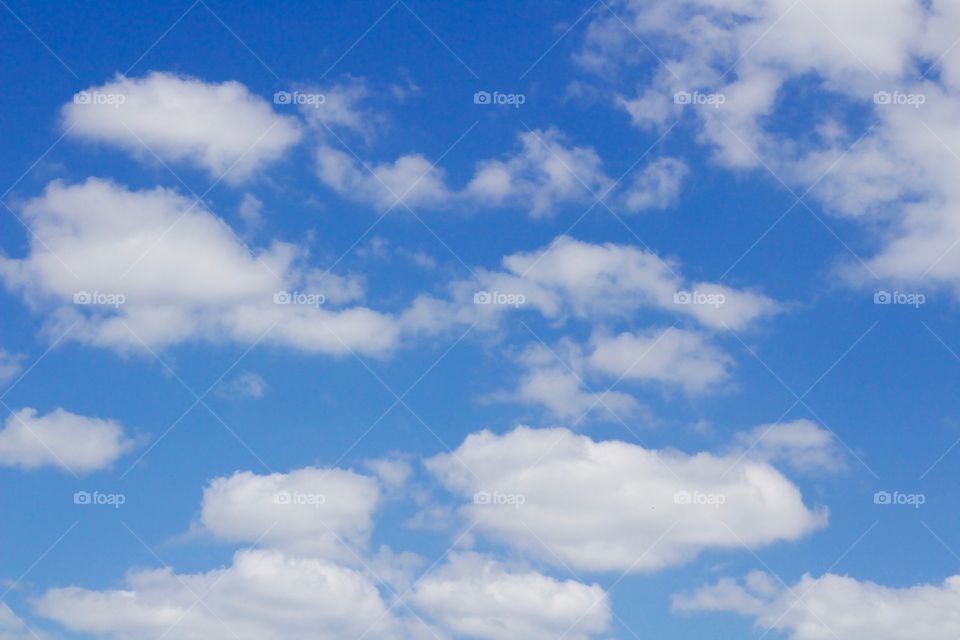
{"points": [[834, 606], [131, 270], [309, 574], [880, 147], [544, 173]]}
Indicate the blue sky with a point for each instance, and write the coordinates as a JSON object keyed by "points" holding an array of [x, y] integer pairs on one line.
{"points": [[665, 350]]}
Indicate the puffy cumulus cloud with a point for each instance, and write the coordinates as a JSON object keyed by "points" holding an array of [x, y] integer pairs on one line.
{"points": [[262, 594], [544, 172], [222, 128], [62, 439], [560, 378], [595, 282], [477, 597], [616, 506], [657, 186], [671, 356], [897, 71], [307, 511], [834, 606], [800, 444], [134, 267], [410, 180], [559, 386]]}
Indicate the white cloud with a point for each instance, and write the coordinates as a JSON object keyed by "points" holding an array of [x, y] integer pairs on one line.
{"points": [[10, 365], [543, 173], [595, 282], [246, 385], [800, 444], [12, 627], [477, 597], [222, 128], [560, 387], [410, 180], [298, 583], [671, 355], [604, 280], [566, 378], [307, 511], [898, 179], [393, 471], [341, 108], [61, 439], [616, 506], [250, 211], [603, 285], [834, 606], [657, 186], [182, 274], [263, 594]]}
